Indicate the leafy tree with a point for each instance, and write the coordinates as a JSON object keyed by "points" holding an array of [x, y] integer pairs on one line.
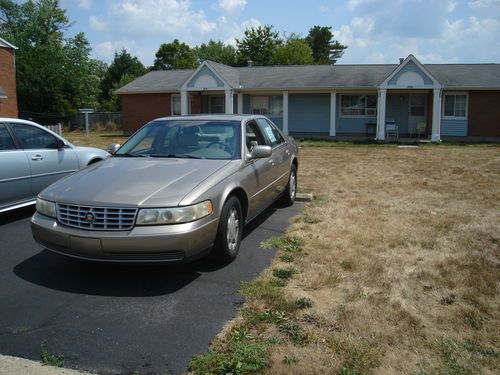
{"points": [[216, 51], [123, 64], [325, 49], [258, 45], [175, 55], [295, 51], [54, 75]]}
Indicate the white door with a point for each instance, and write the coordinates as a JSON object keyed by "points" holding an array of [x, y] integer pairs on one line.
{"points": [[417, 112]]}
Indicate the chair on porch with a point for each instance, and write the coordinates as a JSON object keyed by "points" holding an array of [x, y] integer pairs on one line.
{"points": [[421, 128], [391, 129]]}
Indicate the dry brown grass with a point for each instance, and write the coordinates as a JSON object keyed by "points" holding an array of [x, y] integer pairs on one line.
{"points": [[94, 139], [400, 257]]}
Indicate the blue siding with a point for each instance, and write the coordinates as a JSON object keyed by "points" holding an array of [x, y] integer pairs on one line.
{"points": [[351, 124], [410, 67], [454, 128], [397, 109], [205, 71], [309, 113]]}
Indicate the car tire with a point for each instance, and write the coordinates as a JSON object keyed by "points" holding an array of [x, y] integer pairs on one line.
{"points": [[288, 197], [229, 233]]}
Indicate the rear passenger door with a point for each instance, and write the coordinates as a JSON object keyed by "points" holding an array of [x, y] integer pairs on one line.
{"points": [[15, 175], [48, 162], [280, 159]]}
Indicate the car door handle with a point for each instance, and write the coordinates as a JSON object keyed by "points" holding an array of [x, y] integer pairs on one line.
{"points": [[37, 157], [287, 152], [271, 161]]}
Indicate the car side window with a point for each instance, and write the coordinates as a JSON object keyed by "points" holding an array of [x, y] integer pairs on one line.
{"points": [[253, 136], [273, 136], [6, 141], [32, 137]]}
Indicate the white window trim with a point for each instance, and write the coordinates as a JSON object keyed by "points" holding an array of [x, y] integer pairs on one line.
{"points": [[252, 96], [356, 116], [445, 94]]}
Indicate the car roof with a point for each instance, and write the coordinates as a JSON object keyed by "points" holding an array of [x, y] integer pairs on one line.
{"points": [[217, 117], [21, 121]]}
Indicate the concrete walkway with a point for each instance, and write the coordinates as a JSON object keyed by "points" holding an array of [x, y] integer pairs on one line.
{"points": [[20, 366]]}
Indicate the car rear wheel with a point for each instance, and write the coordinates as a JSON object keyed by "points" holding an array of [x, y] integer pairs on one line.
{"points": [[228, 240], [288, 197]]}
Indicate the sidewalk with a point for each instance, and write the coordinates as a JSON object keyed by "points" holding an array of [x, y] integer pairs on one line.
{"points": [[20, 366]]}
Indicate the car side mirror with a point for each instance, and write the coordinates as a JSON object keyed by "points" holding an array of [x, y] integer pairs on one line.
{"points": [[260, 152], [60, 144], [112, 148]]}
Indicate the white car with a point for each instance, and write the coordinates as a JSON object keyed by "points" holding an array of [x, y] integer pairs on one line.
{"points": [[32, 157]]}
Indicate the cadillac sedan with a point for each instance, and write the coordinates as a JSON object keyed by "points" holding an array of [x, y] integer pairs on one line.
{"points": [[32, 157], [178, 188]]}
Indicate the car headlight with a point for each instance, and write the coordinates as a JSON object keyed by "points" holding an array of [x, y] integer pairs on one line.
{"points": [[46, 208], [174, 215]]}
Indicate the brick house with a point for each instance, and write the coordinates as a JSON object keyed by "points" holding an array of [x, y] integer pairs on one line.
{"points": [[433, 101], [8, 94]]}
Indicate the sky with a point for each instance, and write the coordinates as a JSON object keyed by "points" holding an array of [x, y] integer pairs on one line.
{"points": [[375, 31]]}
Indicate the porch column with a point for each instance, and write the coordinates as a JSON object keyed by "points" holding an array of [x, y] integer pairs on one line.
{"points": [[285, 112], [184, 103], [240, 103], [333, 113], [436, 116], [229, 101], [382, 96]]}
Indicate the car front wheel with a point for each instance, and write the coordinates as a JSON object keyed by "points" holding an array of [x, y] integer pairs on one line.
{"points": [[228, 240]]}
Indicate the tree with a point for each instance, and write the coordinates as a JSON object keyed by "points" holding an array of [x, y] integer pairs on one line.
{"points": [[295, 51], [216, 51], [123, 64], [325, 49], [55, 76], [175, 55], [258, 45]]}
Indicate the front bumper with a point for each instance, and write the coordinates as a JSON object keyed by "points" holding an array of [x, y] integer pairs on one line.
{"points": [[177, 243]]}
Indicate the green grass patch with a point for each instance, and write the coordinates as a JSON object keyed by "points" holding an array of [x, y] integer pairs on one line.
{"points": [[294, 332], [287, 258], [290, 360], [284, 273], [290, 244], [51, 360], [304, 303], [358, 355]]}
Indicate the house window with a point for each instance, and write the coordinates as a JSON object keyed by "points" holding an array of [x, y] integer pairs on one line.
{"points": [[455, 106], [216, 104], [176, 105], [268, 105], [358, 105]]}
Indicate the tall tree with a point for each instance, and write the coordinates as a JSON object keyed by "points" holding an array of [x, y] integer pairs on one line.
{"points": [[55, 76], [258, 45], [175, 55], [295, 51], [326, 50], [123, 64], [216, 51]]}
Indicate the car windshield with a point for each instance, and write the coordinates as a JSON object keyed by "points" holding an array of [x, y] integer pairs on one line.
{"points": [[194, 139]]}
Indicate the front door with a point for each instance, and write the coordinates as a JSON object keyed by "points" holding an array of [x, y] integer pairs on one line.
{"points": [[417, 112]]}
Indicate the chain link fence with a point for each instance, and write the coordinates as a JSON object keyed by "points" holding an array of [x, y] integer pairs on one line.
{"points": [[109, 121]]}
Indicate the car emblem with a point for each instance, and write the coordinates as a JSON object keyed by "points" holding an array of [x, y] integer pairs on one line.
{"points": [[90, 217]]}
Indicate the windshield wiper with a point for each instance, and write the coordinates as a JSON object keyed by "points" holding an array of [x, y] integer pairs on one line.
{"points": [[175, 156], [130, 155]]}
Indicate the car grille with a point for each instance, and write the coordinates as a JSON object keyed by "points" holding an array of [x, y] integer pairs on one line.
{"points": [[96, 218]]}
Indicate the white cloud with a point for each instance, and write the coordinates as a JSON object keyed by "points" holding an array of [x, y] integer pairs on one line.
{"points": [[85, 4], [232, 6], [97, 23], [160, 16], [485, 4], [323, 8]]}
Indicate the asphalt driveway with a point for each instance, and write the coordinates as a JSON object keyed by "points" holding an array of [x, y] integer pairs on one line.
{"points": [[120, 319]]}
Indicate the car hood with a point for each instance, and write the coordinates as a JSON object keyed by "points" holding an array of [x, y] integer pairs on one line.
{"points": [[133, 182]]}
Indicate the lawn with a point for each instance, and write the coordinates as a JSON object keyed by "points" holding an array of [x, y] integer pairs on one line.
{"points": [[94, 139], [394, 268]]}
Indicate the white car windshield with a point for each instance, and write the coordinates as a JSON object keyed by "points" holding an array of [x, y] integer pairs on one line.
{"points": [[196, 139]]}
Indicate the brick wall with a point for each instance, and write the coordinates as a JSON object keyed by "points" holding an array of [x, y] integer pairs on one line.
{"points": [[139, 109], [8, 107], [484, 113]]}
